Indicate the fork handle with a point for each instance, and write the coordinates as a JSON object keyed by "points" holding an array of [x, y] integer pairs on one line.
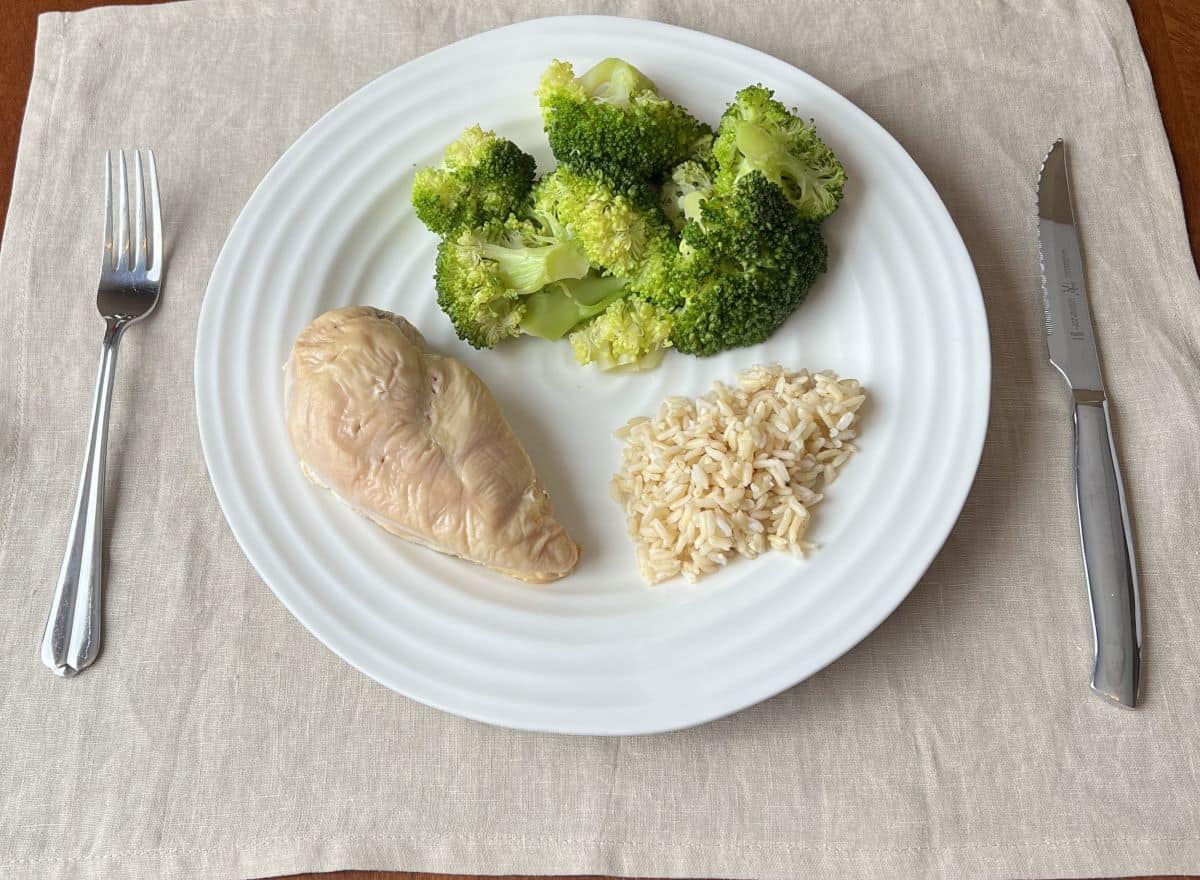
{"points": [[72, 638]]}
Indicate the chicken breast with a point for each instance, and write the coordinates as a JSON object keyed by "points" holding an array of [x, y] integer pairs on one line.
{"points": [[416, 442]]}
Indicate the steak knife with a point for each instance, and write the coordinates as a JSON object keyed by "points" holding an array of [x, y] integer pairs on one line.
{"points": [[1100, 497]]}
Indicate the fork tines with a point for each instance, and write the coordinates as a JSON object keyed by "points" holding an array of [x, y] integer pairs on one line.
{"points": [[136, 251]]}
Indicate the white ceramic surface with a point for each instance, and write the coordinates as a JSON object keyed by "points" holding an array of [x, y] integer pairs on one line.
{"points": [[599, 652]]}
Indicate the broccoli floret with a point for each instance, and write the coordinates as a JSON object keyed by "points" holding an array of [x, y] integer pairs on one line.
{"points": [[631, 334], [483, 273], [482, 177], [622, 230], [757, 133], [557, 309], [745, 266], [612, 121]]}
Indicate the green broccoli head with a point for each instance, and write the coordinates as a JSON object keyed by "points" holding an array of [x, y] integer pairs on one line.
{"points": [[621, 229], [757, 133], [631, 334], [745, 266], [482, 177], [482, 274], [612, 121]]}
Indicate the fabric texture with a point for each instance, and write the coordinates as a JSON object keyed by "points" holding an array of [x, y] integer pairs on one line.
{"points": [[216, 737]]}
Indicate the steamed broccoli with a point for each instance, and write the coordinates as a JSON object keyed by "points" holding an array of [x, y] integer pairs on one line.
{"points": [[483, 273], [622, 230], [611, 121], [651, 233], [745, 265], [631, 334], [757, 133], [482, 177]]}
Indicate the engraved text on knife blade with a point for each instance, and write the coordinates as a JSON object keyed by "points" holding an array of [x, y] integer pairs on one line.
{"points": [[1070, 290], [1073, 347]]}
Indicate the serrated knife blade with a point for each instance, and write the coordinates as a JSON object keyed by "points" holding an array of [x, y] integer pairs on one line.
{"points": [[1068, 319], [1099, 494]]}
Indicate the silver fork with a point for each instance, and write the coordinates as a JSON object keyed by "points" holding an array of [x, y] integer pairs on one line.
{"points": [[130, 278]]}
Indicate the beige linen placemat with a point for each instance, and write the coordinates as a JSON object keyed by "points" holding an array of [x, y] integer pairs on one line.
{"points": [[217, 738]]}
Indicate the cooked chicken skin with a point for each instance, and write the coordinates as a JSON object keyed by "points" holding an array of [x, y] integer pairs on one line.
{"points": [[416, 442]]}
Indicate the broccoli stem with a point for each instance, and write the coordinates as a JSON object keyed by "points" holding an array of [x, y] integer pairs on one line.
{"points": [[529, 269], [613, 81], [594, 289], [560, 308], [755, 143]]}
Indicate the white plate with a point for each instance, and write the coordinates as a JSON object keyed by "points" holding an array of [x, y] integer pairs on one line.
{"points": [[599, 652]]}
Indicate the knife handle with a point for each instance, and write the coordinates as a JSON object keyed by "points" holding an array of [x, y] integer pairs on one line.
{"points": [[1107, 553]]}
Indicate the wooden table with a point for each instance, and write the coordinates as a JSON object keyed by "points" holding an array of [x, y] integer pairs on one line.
{"points": [[1170, 32]]}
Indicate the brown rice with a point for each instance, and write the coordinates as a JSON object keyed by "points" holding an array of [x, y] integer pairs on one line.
{"points": [[735, 471]]}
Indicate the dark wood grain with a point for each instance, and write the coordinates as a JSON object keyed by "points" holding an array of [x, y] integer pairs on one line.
{"points": [[409, 875], [1170, 32]]}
